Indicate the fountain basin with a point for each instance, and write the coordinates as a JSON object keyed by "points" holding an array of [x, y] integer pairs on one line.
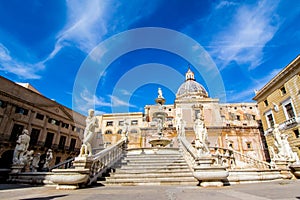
{"points": [[159, 142]]}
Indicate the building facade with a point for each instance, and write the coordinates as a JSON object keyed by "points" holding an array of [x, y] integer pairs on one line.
{"points": [[50, 124], [279, 103], [235, 125]]}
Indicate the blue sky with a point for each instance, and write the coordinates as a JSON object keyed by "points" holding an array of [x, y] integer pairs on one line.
{"points": [[84, 54]]}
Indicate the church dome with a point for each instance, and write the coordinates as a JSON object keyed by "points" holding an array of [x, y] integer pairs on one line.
{"points": [[190, 88]]}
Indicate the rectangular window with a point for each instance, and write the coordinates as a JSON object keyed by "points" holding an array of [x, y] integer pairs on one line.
{"points": [[53, 121], [62, 142], [34, 136], [134, 122], [289, 110], [249, 146], [109, 123], [296, 132], [16, 131], [49, 140], [3, 104], [22, 111], [283, 91], [121, 123], [270, 120], [39, 116], [72, 144], [266, 102], [238, 117], [64, 125]]}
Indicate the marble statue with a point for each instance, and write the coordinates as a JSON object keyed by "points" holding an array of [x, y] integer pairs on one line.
{"points": [[282, 145], [159, 125], [160, 95], [201, 136], [182, 127], [89, 132], [49, 157], [27, 158], [35, 162], [288, 153], [125, 129], [21, 147]]}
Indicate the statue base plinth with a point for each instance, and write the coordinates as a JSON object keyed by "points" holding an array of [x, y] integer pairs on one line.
{"points": [[296, 170], [82, 162], [160, 100], [283, 166], [17, 168]]}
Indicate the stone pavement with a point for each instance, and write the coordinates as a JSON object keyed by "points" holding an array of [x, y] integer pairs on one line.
{"points": [[285, 189]]}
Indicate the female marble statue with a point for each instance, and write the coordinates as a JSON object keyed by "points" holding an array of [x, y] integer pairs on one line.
{"points": [[201, 135], [89, 132], [160, 95]]}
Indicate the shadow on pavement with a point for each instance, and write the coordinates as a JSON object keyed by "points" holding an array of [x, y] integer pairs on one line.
{"points": [[46, 198], [15, 186]]}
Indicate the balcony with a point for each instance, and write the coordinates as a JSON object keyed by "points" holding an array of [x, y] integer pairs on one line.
{"points": [[290, 123]]}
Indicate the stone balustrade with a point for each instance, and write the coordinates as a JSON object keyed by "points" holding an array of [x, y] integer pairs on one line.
{"points": [[233, 159], [87, 169]]}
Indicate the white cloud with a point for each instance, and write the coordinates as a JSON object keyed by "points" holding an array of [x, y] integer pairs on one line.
{"points": [[85, 27], [250, 30], [87, 100], [223, 4], [21, 69], [116, 102], [240, 96], [92, 99], [4, 53], [125, 92]]}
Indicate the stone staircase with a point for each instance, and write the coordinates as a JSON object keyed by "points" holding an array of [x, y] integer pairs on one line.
{"points": [[152, 167]]}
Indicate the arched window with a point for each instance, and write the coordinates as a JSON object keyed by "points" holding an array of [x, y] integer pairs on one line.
{"points": [[108, 132], [120, 131]]}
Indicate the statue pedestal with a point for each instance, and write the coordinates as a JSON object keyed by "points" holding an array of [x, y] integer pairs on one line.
{"points": [[82, 162], [282, 165], [296, 169], [16, 168], [209, 175], [71, 179]]}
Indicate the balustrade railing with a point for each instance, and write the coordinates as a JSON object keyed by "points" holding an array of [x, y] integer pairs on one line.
{"points": [[234, 159], [98, 163], [106, 159], [225, 157], [189, 152], [64, 165]]}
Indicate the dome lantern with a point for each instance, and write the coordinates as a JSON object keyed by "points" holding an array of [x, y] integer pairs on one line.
{"points": [[190, 88]]}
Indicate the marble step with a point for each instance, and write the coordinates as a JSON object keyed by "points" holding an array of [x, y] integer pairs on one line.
{"points": [[154, 163], [151, 170], [152, 181], [158, 166], [151, 175]]}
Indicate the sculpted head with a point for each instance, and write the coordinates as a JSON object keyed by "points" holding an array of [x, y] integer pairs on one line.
{"points": [[25, 131], [91, 112]]}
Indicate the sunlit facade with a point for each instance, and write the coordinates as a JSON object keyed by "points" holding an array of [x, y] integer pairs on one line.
{"points": [[279, 103]]}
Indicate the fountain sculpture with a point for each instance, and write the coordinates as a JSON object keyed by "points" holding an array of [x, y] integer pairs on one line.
{"points": [[158, 139]]}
